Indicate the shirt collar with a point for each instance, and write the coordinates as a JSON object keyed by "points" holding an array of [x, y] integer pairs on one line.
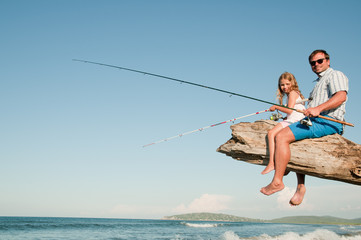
{"points": [[324, 72], [320, 75]]}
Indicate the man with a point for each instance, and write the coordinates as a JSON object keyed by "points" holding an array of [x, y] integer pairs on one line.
{"points": [[328, 98]]}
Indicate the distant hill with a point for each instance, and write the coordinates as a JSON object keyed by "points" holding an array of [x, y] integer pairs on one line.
{"points": [[294, 219]]}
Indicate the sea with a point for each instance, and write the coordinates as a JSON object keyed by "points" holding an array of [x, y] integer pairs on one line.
{"points": [[133, 229]]}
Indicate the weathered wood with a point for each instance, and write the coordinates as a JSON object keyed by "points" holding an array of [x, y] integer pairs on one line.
{"points": [[331, 157]]}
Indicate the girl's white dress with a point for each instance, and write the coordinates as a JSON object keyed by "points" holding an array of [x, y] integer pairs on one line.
{"points": [[295, 116]]}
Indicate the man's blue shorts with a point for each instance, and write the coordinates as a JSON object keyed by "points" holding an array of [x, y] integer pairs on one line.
{"points": [[320, 127]]}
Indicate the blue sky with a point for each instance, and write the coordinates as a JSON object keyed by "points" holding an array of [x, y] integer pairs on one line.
{"points": [[72, 133]]}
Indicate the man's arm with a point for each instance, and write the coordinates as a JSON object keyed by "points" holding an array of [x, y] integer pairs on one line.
{"points": [[336, 100]]}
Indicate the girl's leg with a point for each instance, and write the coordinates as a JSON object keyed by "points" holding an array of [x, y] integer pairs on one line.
{"points": [[271, 147]]}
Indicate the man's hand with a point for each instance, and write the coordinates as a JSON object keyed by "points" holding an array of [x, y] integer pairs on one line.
{"points": [[312, 112]]}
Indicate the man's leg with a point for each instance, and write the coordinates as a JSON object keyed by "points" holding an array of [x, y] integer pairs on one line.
{"points": [[282, 157], [300, 191]]}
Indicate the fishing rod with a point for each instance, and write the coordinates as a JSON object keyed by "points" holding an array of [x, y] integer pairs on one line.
{"points": [[274, 117], [203, 86], [203, 128]]}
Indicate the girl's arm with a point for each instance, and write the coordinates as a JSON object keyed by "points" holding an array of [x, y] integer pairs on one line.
{"points": [[292, 97]]}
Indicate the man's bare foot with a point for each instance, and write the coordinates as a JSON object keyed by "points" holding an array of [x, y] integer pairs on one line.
{"points": [[268, 169], [299, 194], [272, 188]]}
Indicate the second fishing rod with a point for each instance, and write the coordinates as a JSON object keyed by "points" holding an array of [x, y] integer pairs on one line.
{"points": [[204, 86]]}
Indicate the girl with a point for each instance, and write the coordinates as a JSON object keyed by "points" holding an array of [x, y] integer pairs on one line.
{"points": [[287, 85]]}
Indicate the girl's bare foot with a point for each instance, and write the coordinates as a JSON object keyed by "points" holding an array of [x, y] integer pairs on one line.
{"points": [[272, 188], [299, 194], [268, 169]]}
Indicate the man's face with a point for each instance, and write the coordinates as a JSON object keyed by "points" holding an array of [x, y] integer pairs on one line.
{"points": [[319, 63]]}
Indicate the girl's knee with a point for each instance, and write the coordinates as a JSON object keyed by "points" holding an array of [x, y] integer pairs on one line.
{"points": [[271, 134]]}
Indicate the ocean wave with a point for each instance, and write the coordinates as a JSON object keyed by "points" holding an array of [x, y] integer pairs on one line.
{"points": [[319, 234], [350, 228], [229, 235], [202, 225]]}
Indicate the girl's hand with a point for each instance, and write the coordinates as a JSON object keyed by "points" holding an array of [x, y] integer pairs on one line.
{"points": [[273, 108]]}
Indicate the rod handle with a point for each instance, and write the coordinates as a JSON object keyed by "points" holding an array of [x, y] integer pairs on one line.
{"points": [[338, 121], [331, 119]]}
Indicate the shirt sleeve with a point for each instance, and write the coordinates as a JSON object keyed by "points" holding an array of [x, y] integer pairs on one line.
{"points": [[338, 82]]}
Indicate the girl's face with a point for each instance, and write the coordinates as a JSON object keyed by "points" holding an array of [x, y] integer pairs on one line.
{"points": [[285, 85]]}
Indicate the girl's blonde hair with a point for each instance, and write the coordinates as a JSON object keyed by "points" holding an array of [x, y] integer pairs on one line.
{"points": [[294, 85]]}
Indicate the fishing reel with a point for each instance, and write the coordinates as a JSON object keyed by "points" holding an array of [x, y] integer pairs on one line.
{"points": [[306, 122], [276, 116]]}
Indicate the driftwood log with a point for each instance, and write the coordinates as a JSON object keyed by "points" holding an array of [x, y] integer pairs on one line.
{"points": [[331, 157]]}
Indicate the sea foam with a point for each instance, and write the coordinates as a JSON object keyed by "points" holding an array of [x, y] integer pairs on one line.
{"points": [[319, 234], [201, 225]]}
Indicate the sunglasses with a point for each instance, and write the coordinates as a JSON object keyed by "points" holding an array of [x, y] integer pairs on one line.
{"points": [[319, 61]]}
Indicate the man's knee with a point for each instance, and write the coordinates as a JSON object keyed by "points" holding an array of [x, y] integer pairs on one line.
{"points": [[285, 136]]}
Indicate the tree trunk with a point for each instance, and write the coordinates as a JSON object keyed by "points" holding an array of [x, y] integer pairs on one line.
{"points": [[332, 157]]}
